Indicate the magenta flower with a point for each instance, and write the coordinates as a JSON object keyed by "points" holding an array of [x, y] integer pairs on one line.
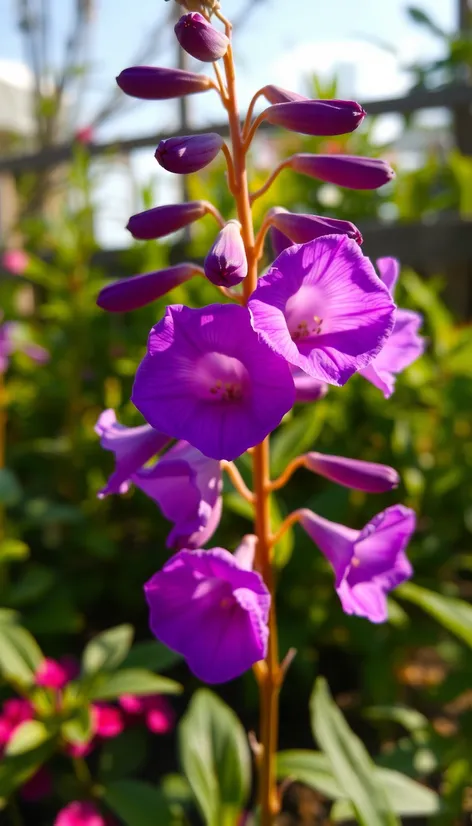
{"points": [[307, 389], [200, 39], [186, 154], [162, 220], [323, 308], [80, 813], [14, 712], [226, 262], [299, 228], [51, 674], [208, 378], [15, 261], [209, 607], [132, 293], [185, 484], [369, 563], [107, 720], [154, 709], [159, 83], [404, 345], [317, 117], [344, 170], [353, 473]]}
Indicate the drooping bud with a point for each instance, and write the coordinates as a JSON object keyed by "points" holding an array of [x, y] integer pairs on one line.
{"points": [[200, 39], [344, 170], [302, 227], [161, 221], [159, 83], [226, 263], [187, 154], [353, 473], [131, 293], [317, 117], [276, 94]]}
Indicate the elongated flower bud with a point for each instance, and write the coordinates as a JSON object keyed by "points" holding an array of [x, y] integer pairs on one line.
{"points": [[344, 170], [161, 221], [276, 94], [226, 263], [353, 473], [301, 228], [317, 117], [159, 83], [199, 38], [188, 154], [132, 293]]}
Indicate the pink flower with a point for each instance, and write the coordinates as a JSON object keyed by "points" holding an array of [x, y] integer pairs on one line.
{"points": [[15, 261], [85, 135], [79, 749], [80, 813], [51, 674], [107, 721], [14, 712], [156, 711]]}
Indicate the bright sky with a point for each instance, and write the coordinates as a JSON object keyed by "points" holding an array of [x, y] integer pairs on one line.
{"points": [[283, 42]]}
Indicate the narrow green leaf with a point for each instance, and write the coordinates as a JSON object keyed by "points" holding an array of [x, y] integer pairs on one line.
{"points": [[17, 769], [131, 681], [406, 797], [310, 767], [411, 719], [20, 654], [350, 762], [26, 737], [454, 614], [106, 651], [13, 550], [215, 757], [78, 729], [152, 655], [138, 803]]}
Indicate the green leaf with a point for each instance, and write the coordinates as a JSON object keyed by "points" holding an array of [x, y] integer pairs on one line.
{"points": [[138, 803], [406, 797], [411, 719], [78, 729], [350, 762], [454, 614], [20, 654], [26, 737], [152, 655], [10, 488], [215, 757], [296, 436], [13, 550], [106, 651], [17, 769], [131, 681], [123, 755], [310, 767]]}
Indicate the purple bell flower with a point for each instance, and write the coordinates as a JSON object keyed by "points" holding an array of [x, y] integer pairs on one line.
{"points": [[323, 308], [226, 262], [159, 83], [279, 241], [200, 39], [300, 228], [186, 154], [403, 346], [276, 94], [369, 563], [213, 610], [307, 389], [317, 117], [160, 221], [208, 378], [353, 473], [135, 292], [185, 484], [344, 170]]}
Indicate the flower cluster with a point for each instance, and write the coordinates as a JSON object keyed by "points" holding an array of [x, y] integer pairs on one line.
{"points": [[220, 379]]}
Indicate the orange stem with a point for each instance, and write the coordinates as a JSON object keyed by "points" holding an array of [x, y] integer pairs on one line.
{"points": [[292, 466], [249, 113], [252, 131], [270, 180], [286, 524], [268, 677], [238, 481]]}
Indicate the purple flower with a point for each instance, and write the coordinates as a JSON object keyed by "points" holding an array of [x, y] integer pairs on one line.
{"points": [[185, 484], [276, 94], [301, 228], [186, 154], [200, 39], [344, 170], [226, 262], [135, 292], [162, 220], [212, 609], [158, 83], [317, 117], [279, 241], [403, 346], [369, 563], [322, 307], [208, 378], [353, 473], [307, 389], [11, 341]]}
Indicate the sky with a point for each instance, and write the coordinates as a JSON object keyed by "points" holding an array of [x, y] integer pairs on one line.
{"points": [[282, 42]]}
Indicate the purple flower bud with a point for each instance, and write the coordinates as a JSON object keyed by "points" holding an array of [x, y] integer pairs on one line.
{"points": [[344, 170], [161, 221], [226, 263], [132, 293], [159, 83], [279, 241], [353, 473], [200, 39], [317, 117], [301, 228], [188, 153], [275, 94]]}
